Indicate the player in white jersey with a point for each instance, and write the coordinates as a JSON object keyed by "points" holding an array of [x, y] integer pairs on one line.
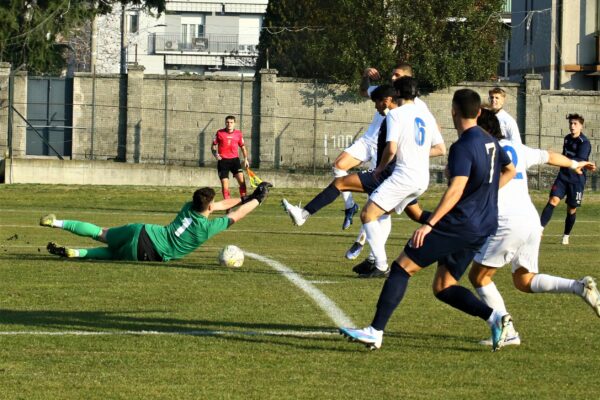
{"points": [[517, 239], [413, 210], [411, 129], [364, 149], [508, 125]]}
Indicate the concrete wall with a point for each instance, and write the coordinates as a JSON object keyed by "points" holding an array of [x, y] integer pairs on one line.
{"points": [[80, 172], [288, 125]]}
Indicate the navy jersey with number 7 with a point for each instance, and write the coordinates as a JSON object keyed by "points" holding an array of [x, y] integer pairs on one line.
{"points": [[478, 156]]}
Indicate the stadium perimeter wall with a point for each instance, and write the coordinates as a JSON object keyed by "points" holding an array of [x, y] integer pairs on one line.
{"points": [[159, 122]]}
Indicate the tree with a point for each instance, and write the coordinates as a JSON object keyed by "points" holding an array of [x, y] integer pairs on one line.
{"points": [[35, 32], [447, 41]]}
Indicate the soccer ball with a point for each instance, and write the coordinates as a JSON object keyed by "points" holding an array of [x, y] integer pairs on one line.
{"points": [[231, 256]]}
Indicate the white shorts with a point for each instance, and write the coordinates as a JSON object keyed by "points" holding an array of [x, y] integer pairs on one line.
{"points": [[362, 150], [517, 240], [393, 194]]}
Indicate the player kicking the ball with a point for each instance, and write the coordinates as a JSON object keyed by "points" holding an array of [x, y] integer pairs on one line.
{"points": [[147, 242], [517, 240]]}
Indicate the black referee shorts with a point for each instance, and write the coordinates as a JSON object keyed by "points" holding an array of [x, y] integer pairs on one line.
{"points": [[227, 165]]}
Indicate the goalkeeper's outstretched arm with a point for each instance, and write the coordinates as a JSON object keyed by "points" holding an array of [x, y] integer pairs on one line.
{"points": [[250, 202]]}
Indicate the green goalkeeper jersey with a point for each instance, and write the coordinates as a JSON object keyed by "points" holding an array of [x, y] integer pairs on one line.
{"points": [[188, 230]]}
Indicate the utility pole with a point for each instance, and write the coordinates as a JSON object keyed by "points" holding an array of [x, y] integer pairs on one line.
{"points": [[123, 61]]}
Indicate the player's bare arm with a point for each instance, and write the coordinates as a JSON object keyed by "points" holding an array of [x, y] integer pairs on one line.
{"points": [[559, 160], [226, 204], [368, 75], [437, 150], [507, 172], [251, 202], [246, 160], [214, 151], [449, 199]]}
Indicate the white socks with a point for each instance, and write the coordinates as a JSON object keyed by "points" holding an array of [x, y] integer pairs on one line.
{"points": [[347, 196], [376, 238], [542, 283], [496, 316], [490, 295], [348, 200], [362, 236]]}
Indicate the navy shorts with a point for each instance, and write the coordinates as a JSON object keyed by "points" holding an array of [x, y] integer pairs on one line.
{"points": [[227, 165], [368, 181], [573, 191], [454, 252]]}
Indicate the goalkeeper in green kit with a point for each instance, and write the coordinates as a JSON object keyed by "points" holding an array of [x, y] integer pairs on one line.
{"points": [[147, 242]]}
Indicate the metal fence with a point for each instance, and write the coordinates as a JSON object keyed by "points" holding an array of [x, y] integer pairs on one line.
{"points": [[296, 127]]}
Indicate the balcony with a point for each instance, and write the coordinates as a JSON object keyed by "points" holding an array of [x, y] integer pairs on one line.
{"points": [[213, 44]]}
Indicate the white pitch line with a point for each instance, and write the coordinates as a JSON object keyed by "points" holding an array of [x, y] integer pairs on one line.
{"points": [[170, 333], [338, 316]]}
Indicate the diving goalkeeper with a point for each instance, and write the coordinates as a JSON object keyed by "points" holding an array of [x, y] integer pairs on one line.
{"points": [[147, 242]]}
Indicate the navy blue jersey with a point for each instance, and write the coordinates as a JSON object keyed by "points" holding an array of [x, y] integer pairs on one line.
{"points": [[577, 149], [480, 157]]}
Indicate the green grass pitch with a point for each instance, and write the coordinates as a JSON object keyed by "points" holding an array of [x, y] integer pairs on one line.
{"points": [[190, 329]]}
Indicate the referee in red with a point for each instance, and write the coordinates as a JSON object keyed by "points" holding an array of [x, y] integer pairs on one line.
{"points": [[225, 150]]}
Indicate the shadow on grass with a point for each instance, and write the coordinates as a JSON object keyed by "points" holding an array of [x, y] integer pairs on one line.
{"points": [[268, 333]]}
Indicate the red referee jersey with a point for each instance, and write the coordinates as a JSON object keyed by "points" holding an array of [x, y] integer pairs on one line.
{"points": [[228, 143]]}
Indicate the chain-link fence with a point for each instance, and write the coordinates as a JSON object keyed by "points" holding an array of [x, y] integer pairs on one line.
{"points": [[291, 125]]}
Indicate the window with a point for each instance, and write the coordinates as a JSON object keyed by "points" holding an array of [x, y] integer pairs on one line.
{"points": [[504, 63], [134, 23]]}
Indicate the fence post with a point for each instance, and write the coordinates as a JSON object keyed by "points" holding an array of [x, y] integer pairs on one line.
{"points": [[315, 129], [533, 110], [93, 112], [5, 109], [166, 119], [135, 94], [242, 104], [268, 122]]}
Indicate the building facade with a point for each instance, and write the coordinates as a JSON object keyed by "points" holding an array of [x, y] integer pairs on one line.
{"points": [[193, 36], [557, 39]]}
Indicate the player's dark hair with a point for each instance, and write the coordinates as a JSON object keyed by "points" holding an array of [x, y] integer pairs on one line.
{"points": [[488, 121], [229, 117], [202, 198], [467, 102], [407, 88], [404, 67], [383, 91], [576, 117]]}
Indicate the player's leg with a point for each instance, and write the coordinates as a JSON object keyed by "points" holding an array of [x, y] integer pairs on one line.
{"points": [[356, 248], [239, 177], [223, 171], [532, 282], [238, 173], [225, 188], [573, 200], [348, 159], [557, 192], [327, 196], [375, 236], [447, 290], [98, 253], [391, 295], [480, 277], [79, 228]]}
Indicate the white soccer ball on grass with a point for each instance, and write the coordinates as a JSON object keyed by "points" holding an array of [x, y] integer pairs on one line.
{"points": [[231, 256]]}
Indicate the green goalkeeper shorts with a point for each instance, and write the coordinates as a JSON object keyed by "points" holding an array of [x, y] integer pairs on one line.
{"points": [[123, 241]]}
